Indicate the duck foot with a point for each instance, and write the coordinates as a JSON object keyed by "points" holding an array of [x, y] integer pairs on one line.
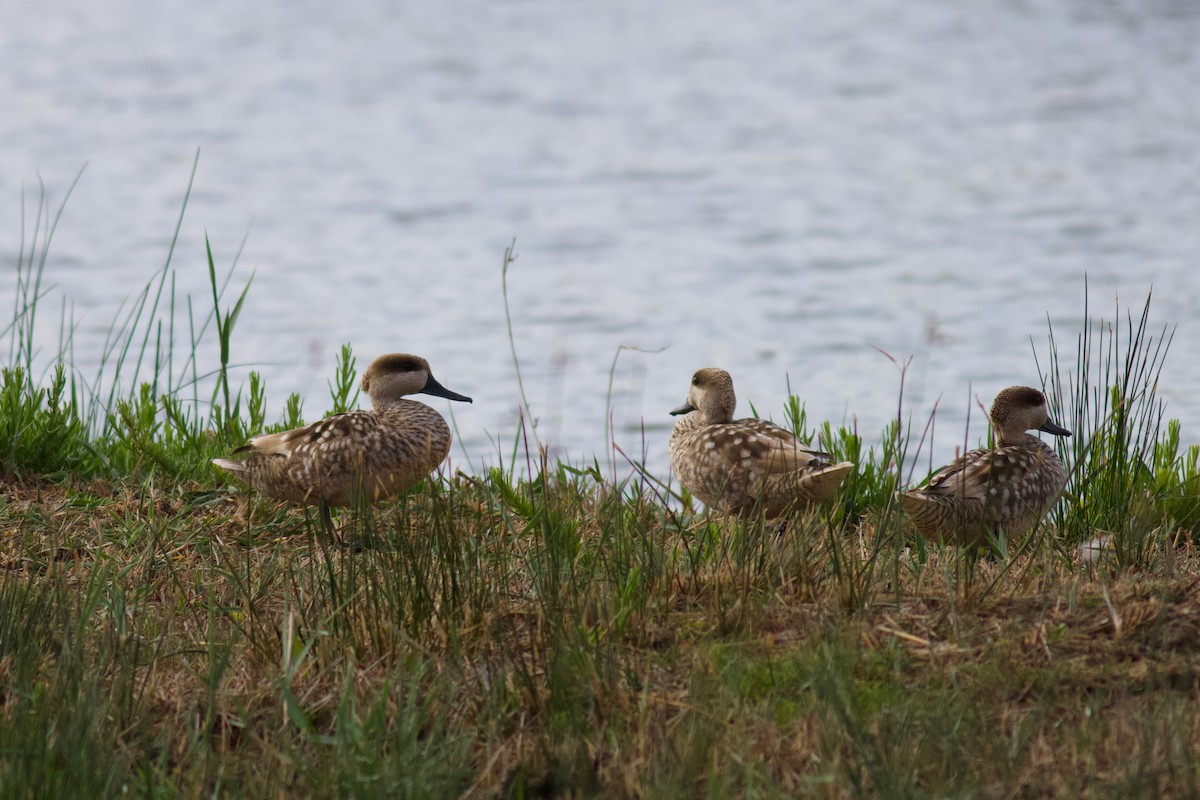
{"points": [[330, 531], [353, 544]]}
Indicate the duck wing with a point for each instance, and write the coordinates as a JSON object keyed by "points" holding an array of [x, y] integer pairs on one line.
{"points": [[769, 449], [330, 435], [971, 475]]}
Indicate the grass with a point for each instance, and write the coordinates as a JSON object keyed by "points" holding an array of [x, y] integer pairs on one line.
{"points": [[549, 631]]}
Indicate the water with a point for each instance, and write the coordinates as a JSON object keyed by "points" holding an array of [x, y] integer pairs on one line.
{"points": [[781, 189]]}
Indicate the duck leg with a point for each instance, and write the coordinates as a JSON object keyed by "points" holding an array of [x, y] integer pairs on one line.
{"points": [[327, 520]]}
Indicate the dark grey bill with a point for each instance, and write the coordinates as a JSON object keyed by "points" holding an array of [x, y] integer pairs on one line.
{"points": [[683, 409], [437, 390], [1057, 430]]}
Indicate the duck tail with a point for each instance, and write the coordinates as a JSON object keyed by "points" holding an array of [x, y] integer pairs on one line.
{"points": [[825, 482], [918, 506], [935, 516], [230, 464]]}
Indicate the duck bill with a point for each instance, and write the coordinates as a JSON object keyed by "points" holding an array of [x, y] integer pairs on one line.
{"points": [[683, 409], [1057, 430], [437, 390]]}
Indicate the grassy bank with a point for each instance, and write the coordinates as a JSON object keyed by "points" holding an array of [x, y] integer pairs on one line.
{"points": [[534, 639], [545, 632]]}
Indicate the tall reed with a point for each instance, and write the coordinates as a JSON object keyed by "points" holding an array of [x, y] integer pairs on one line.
{"points": [[144, 391], [1128, 481]]}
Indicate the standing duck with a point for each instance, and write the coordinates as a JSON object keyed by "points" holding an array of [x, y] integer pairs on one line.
{"points": [[372, 455], [1003, 490], [747, 465]]}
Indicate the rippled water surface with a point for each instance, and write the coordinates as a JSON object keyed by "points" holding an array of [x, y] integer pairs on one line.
{"points": [[779, 188]]}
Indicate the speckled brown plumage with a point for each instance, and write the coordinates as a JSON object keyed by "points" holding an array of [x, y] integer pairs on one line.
{"points": [[745, 466], [380, 453], [1003, 490]]}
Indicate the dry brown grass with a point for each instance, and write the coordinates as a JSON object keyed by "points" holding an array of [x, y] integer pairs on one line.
{"points": [[223, 646]]}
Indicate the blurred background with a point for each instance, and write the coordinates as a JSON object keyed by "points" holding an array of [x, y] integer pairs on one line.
{"points": [[783, 189]]}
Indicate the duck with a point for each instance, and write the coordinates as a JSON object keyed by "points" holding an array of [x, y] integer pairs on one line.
{"points": [[368, 455], [747, 466], [990, 491]]}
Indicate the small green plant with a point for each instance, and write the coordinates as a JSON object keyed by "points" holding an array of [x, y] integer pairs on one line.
{"points": [[227, 415], [343, 389], [40, 430], [1177, 480]]}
